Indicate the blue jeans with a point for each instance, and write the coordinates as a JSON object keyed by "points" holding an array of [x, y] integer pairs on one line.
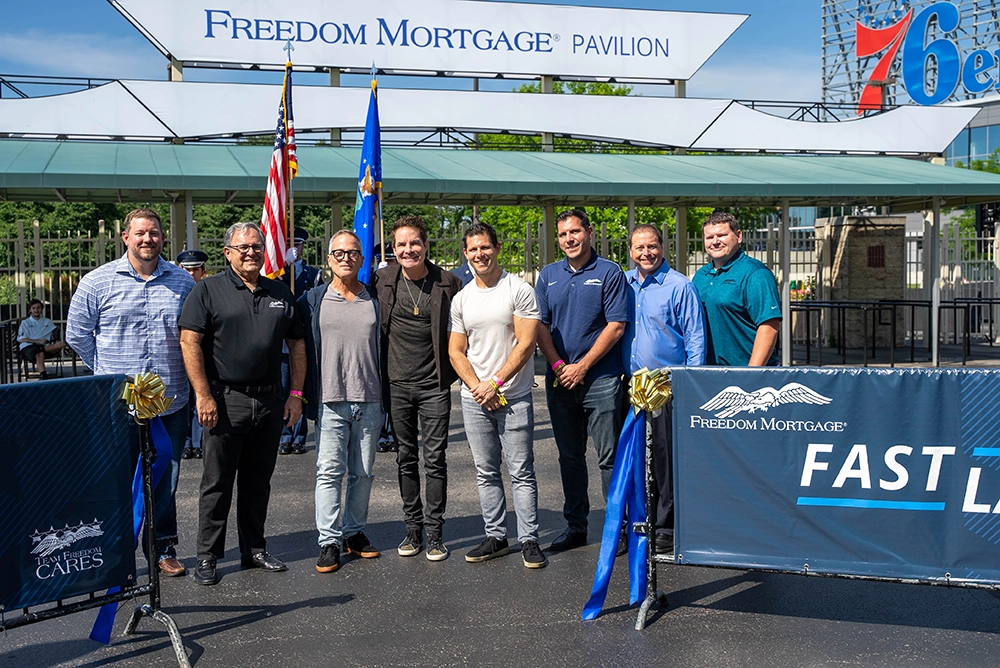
{"points": [[346, 436], [164, 501], [593, 409], [509, 430], [297, 432]]}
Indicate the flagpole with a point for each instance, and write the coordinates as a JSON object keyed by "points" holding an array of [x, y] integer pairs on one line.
{"points": [[290, 187]]}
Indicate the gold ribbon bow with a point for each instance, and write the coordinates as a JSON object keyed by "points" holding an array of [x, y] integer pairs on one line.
{"points": [[146, 396], [649, 390]]}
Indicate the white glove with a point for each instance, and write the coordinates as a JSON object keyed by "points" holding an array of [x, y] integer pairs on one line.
{"points": [[383, 264], [291, 255]]}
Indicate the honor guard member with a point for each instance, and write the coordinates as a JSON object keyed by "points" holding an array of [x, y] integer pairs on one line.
{"points": [[740, 295], [123, 318], [232, 328], [666, 327], [293, 439], [583, 303], [493, 331], [193, 262]]}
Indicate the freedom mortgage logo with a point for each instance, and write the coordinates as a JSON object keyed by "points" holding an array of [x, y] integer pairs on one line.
{"points": [[733, 400], [52, 556]]}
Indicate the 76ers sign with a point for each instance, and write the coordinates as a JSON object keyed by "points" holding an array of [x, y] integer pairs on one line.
{"points": [[933, 65]]}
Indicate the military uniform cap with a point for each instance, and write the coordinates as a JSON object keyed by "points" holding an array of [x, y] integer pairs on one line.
{"points": [[192, 259]]}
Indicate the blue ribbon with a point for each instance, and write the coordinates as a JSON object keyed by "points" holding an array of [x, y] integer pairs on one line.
{"points": [[164, 450], [626, 495]]}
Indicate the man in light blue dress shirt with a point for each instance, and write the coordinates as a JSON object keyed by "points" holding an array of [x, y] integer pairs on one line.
{"points": [[123, 319], [666, 327]]}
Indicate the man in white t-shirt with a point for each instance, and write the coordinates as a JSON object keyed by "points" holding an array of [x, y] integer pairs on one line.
{"points": [[494, 325], [37, 338]]}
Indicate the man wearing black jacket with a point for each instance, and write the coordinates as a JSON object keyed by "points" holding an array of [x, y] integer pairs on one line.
{"points": [[415, 303]]}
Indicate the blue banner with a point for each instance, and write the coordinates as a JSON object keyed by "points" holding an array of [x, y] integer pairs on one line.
{"points": [[883, 473], [68, 451]]}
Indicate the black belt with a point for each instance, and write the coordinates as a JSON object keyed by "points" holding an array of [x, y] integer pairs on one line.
{"points": [[247, 389]]}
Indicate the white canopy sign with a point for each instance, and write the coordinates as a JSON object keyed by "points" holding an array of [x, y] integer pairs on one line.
{"points": [[446, 36]]}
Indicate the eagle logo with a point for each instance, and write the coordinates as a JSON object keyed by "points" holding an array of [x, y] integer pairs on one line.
{"points": [[45, 543], [733, 399]]}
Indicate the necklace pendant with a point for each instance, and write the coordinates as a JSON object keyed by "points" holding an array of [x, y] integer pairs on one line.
{"points": [[416, 310]]}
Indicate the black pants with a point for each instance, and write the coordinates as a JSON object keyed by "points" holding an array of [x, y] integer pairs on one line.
{"points": [[242, 448], [663, 469], [431, 410]]}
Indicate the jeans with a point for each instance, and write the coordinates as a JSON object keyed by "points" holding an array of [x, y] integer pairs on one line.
{"points": [[297, 432], [195, 431], [431, 409], [346, 436], [593, 408], [507, 430], [164, 496], [240, 449]]}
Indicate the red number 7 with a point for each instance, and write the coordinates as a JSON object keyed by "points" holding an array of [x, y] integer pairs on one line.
{"points": [[870, 41]]}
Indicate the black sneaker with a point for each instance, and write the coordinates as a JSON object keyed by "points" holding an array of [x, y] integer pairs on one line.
{"points": [[188, 453], [197, 453], [285, 449], [329, 558], [488, 549], [412, 544], [298, 448], [436, 549], [360, 545], [532, 555]]}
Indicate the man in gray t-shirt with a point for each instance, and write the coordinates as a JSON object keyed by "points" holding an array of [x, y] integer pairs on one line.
{"points": [[494, 325], [344, 382]]}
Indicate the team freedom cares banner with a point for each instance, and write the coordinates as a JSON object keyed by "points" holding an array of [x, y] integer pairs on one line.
{"points": [[885, 473], [437, 36]]}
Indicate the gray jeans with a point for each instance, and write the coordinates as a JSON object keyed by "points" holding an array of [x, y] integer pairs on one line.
{"points": [[508, 430]]}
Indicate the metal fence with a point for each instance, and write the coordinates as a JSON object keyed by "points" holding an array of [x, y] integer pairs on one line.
{"points": [[49, 268]]}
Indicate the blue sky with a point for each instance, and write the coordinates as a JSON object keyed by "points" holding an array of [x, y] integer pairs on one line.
{"points": [[775, 55]]}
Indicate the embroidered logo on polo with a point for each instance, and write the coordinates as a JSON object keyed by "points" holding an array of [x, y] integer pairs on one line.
{"points": [[593, 281], [277, 304]]}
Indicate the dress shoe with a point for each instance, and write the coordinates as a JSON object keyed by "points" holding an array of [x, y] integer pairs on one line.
{"points": [[204, 572], [664, 543], [171, 567], [569, 539], [264, 561]]}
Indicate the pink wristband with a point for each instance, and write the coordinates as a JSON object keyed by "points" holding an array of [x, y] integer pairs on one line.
{"points": [[555, 367], [296, 393], [499, 383]]}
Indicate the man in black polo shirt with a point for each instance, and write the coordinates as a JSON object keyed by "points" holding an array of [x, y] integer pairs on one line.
{"points": [[232, 327]]}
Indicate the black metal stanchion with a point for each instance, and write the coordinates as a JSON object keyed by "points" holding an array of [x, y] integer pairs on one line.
{"points": [[653, 595], [152, 609]]}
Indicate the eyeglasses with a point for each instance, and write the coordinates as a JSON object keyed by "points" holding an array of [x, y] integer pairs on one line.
{"points": [[246, 248], [352, 255]]}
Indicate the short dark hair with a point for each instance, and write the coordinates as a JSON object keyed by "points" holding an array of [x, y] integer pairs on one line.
{"points": [[36, 301], [477, 229], [574, 213], [416, 222], [142, 213], [720, 217], [645, 228]]}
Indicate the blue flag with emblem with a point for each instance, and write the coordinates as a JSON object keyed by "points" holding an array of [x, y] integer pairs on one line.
{"points": [[368, 207]]}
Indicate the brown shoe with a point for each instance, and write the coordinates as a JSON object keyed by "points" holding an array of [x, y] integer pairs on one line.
{"points": [[171, 567]]}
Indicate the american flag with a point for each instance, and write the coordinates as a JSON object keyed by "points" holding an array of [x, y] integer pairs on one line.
{"points": [[284, 167]]}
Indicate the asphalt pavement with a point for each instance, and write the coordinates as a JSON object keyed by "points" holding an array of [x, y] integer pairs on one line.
{"points": [[396, 611]]}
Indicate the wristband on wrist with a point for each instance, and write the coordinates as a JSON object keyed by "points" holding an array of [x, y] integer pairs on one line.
{"points": [[297, 393], [497, 381], [559, 363]]}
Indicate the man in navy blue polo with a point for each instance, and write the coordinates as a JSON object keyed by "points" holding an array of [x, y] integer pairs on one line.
{"points": [[584, 308], [742, 308]]}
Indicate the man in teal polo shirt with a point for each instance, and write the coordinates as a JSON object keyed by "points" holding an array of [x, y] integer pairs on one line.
{"points": [[742, 309]]}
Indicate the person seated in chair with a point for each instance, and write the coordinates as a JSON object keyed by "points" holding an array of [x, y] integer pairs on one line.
{"points": [[38, 338]]}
